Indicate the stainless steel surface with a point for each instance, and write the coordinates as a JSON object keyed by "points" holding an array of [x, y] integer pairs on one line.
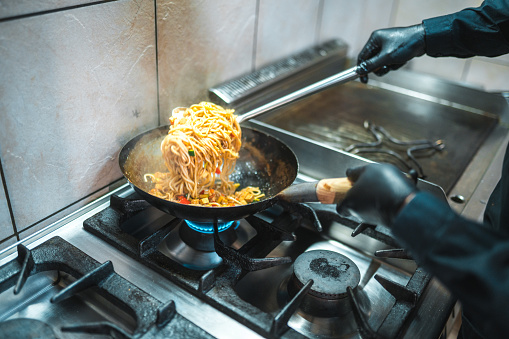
{"points": [[178, 250], [359, 249], [215, 323], [376, 300], [340, 78], [326, 59], [320, 161], [483, 172], [477, 177], [89, 307], [316, 161], [338, 116]]}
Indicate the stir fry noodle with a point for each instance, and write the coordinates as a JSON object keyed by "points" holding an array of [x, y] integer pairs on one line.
{"points": [[200, 152]]}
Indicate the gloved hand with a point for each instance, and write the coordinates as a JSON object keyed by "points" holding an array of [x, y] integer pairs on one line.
{"points": [[378, 193], [389, 49]]}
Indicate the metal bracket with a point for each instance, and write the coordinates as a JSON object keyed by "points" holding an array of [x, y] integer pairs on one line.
{"points": [[245, 262], [93, 278], [26, 260], [280, 322]]}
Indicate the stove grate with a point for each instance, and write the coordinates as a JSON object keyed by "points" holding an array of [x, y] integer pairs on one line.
{"points": [[56, 254]]}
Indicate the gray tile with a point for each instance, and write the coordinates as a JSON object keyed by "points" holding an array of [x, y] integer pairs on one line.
{"points": [[201, 44], [61, 214], [489, 75], [354, 21], [411, 12], [284, 28], [6, 229], [81, 84], [446, 68], [11, 8]]}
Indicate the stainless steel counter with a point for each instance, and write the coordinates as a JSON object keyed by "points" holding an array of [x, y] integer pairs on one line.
{"points": [[434, 308]]}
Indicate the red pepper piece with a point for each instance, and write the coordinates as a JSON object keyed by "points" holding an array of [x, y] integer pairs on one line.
{"points": [[183, 200]]}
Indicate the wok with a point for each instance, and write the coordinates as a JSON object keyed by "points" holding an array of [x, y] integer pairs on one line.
{"points": [[264, 161]]}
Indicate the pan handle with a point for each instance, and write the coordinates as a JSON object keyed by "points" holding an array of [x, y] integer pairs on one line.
{"points": [[326, 191], [340, 78]]}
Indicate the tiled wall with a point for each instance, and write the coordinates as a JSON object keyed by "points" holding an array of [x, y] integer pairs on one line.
{"points": [[80, 78]]}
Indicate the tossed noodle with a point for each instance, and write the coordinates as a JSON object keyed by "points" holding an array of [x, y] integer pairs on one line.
{"points": [[202, 144]]}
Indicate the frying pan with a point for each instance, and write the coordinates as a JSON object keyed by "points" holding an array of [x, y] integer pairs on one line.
{"points": [[263, 161]]}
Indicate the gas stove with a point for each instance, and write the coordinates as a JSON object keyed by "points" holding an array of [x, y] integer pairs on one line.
{"points": [[121, 268]]}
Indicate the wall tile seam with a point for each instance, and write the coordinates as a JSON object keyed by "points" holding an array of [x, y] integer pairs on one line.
{"points": [[319, 20], [466, 69], [394, 13], [63, 209], [159, 118], [8, 200], [255, 36], [4, 240], [55, 10]]}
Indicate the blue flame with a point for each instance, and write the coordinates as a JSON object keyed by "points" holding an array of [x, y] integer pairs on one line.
{"points": [[208, 227]]}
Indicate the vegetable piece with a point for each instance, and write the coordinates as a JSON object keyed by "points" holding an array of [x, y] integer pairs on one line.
{"points": [[183, 200], [218, 171], [205, 201], [195, 201], [249, 197], [191, 152]]}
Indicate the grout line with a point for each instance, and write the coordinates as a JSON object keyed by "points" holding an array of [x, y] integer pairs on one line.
{"points": [[50, 11], [466, 69], [70, 205], [255, 35], [9, 238], [394, 11], [8, 200], [319, 20], [157, 66]]}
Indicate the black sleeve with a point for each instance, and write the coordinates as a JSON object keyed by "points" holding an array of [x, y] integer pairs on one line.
{"points": [[482, 31], [471, 260]]}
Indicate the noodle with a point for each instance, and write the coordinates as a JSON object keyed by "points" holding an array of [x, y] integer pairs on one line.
{"points": [[202, 145]]}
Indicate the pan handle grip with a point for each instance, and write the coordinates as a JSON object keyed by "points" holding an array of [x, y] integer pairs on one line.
{"points": [[326, 191]]}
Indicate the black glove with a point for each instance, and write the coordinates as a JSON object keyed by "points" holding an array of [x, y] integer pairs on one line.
{"points": [[389, 49], [379, 192]]}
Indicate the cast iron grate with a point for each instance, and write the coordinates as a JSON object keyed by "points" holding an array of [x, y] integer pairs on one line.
{"points": [[56, 254], [216, 286]]}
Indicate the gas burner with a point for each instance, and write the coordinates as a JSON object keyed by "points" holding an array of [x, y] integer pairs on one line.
{"points": [[26, 328], [326, 309], [208, 227], [192, 244], [331, 273]]}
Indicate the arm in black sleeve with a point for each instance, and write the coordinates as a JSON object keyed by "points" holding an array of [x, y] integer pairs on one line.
{"points": [[468, 258], [480, 31]]}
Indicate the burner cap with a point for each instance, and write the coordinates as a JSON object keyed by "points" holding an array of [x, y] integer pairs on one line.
{"points": [[330, 271], [25, 328]]}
